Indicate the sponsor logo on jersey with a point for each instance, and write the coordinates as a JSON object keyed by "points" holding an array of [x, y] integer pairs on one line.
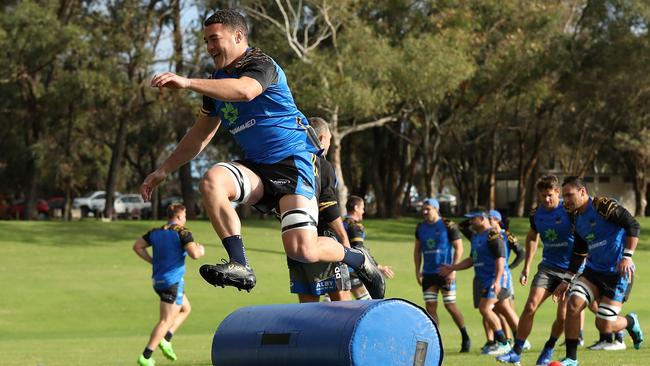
{"points": [[243, 126], [230, 113], [550, 234]]}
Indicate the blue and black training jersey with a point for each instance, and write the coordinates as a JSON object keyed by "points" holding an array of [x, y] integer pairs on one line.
{"points": [[600, 232], [555, 229], [270, 127], [487, 247], [168, 243], [435, 243]]}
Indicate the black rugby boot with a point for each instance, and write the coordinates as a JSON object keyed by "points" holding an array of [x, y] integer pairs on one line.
{"points": [[229, 274], [370, 275]]}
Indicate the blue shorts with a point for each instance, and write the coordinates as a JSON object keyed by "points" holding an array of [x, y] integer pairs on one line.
{"points": [[172, 294]]}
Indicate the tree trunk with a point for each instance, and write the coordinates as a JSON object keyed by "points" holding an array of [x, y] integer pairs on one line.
{"points": [[119, 147], [185, 171]]}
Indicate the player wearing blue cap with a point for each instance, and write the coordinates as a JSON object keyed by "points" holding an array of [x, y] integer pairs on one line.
{"points": [[250, 95], [488, 259], [438, 242], [607, 235]]}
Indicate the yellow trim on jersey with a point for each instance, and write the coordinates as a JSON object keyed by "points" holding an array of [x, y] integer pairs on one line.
{"points": [[324, 205]]}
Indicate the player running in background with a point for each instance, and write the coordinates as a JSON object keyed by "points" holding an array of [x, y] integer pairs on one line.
{"points": [[607, 235], [170, 244], [356, 208], [438, 242], [488, 259], [249, 93]]}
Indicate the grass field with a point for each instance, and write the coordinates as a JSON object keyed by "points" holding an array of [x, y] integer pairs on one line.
{"points": [[74, 293]]}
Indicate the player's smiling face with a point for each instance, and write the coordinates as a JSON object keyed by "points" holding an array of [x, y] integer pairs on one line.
{"points": [[223, 44], [550, 198]]}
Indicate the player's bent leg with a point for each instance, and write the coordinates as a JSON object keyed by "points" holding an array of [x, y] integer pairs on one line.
{"points": [[222, 184], [168, 314], [449, 300], [299, 217], [536, 297]]}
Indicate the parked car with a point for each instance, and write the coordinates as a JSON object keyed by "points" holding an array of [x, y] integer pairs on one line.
{"points": [[94, 202], [17, 209], [132, 205]]}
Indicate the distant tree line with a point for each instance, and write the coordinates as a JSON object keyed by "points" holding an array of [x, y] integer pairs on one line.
{"points": [[417, 93]]}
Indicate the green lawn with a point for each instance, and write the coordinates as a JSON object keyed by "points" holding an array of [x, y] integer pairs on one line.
{"points": [[74, 293]]}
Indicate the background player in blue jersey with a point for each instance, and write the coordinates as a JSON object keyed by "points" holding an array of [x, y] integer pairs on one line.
{"points": [[438, 242], [488, 259], [170, 244], [552, 222], [356, 232], [607, 235], [249, 94]]}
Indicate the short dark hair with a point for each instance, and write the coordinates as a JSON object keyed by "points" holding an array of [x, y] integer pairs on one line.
{"points": [[319, 125], [353, 201], [174, 209], [547, 182], [574, 181], [231, 18]]}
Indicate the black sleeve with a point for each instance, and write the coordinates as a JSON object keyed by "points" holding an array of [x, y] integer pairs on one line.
{"points": [[514, 246], [496, 245], [328, 206], [618, 215], [464, 228], [259, 66], [146, 236], [453, 233], [579, 253], [531, 219]]}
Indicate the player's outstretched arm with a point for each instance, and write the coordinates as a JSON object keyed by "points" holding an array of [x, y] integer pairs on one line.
{"points": [[241, 89], [189, 147]]}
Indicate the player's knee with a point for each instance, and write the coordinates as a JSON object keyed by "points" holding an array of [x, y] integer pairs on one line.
{"points": [[530, 308], [449, 300], [302, 253], [210, 183], [606, 316]]}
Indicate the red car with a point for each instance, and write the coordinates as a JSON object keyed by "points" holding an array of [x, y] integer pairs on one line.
{"points": [[17, 209]]}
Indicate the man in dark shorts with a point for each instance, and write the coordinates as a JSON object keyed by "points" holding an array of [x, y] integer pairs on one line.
{"points": [[607, 235], [311, 280], [170, 244], [438, 242], [249, 94]]}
